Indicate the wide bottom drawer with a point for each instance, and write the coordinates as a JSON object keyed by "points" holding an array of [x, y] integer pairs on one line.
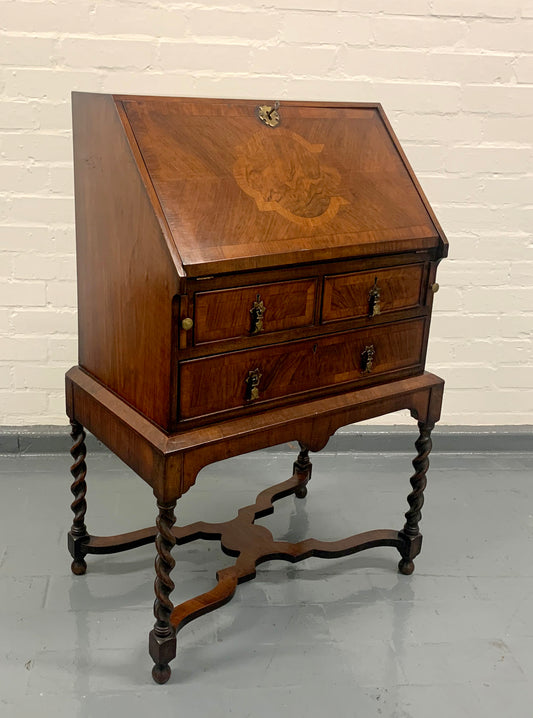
{"points": [[237, 379]]}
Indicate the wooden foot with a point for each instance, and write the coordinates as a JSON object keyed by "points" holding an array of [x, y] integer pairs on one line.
{"points": [[412, 538], [78, 566], [162, 651], [406, 567], [162, 641], [161, 673], [78, 536], [302, 467], [300, 492]]}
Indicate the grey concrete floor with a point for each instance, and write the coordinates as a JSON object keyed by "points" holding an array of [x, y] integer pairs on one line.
{"points": [[346, 637]]}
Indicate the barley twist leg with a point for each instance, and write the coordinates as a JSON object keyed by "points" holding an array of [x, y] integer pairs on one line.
{"points": [[303, 466], [78, 536], [162, 643], [411, 533]]}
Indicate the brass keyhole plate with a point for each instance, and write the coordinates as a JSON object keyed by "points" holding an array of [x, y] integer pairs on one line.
{"points": [[269, 115]]}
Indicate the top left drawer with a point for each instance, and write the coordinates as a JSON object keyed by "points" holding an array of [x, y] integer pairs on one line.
{"points": [[253, 310]]}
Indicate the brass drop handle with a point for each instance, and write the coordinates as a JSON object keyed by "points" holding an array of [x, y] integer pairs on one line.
{"points": [[252, 384], [187, 323], [367, 358], [257, 314], [374, 300]]}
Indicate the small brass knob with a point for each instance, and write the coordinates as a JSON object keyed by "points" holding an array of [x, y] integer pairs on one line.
{"points": [[187, 323], [435, 288]]}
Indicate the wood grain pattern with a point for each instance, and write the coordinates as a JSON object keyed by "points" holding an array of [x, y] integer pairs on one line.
{"points": [[225, 314], [282, 172], [320, 273], [289, 369], [126, 275], [443, 242], [347, 295], [187, 149]]}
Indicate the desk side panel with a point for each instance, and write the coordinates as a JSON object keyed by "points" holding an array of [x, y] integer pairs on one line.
{"points": [[126, 277]]}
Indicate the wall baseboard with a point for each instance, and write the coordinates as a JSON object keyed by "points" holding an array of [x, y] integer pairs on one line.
{"points": [[16, 440]]}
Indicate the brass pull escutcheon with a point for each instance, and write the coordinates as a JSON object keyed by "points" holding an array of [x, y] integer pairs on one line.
{"points": [[374, 300], [367, 358], [252, 384], [257, 313], [269, 115]]}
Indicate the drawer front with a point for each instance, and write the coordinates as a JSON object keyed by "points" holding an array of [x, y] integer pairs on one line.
{"points": [[237, 379], [258, 309], [363, 294]]}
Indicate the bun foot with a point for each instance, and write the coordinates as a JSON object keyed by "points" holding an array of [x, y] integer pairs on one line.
{"points": [[161, 673], [78, 567], [406, 567], [301, 491]]}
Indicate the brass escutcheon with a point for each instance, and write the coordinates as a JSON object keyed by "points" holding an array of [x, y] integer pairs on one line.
{"points": [[269, 115], [252, 384]]}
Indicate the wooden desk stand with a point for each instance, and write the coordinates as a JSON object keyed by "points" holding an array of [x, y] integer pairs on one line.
{"points": [[171, 462], [248, 274]]}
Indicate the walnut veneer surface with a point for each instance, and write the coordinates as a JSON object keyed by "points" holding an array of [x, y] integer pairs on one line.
{"points": [[242, 282]]}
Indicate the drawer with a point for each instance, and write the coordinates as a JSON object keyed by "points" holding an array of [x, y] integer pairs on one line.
{"points": [[363, 294], [243, 378], [257, 309]]}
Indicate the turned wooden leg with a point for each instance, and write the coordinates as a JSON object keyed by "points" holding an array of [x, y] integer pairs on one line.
{"points": [[302, 466], [162, 644], [410, 533], [78, 536]]}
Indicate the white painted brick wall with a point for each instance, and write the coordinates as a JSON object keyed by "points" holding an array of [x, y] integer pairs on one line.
{"points": [[455, 77]]}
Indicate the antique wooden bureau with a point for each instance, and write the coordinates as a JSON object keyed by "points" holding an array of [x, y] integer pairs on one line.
{"points": [[249, 273]]}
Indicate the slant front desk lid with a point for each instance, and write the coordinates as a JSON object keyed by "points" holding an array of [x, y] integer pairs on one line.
{"points": [[242, 185]]}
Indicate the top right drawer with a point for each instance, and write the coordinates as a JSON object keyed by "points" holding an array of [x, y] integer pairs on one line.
{"points": [[369, 293]]}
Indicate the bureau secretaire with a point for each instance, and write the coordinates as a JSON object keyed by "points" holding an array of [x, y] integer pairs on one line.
{"points": [[249, 273]]}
